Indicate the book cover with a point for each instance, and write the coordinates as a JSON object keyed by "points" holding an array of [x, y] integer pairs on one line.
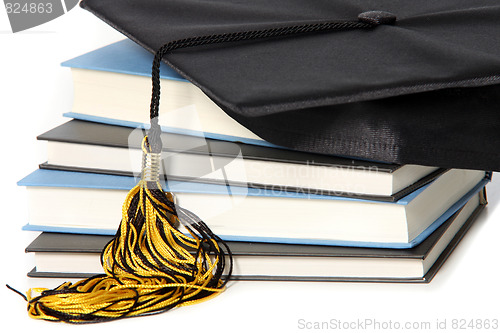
{"points": [[124, 57]]}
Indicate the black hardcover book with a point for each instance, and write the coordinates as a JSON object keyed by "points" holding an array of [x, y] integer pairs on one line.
{"points": [[78, 255], [396, 81], [86, 146]]}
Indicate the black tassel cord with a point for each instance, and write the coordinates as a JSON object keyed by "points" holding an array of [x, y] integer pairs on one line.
{"points": [[151, 266]]}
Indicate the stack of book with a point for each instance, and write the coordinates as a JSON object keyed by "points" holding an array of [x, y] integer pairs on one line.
{"points": [[286, 215]]}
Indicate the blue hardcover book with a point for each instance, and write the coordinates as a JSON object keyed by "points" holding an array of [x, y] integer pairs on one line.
{"points": [[78, 256], [113, 85], [61, 201]]}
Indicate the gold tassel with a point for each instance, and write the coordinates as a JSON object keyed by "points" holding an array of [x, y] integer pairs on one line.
{"points": [[150, 265]]}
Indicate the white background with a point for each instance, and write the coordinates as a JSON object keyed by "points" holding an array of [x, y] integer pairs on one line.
{"points": [[35, 91]]}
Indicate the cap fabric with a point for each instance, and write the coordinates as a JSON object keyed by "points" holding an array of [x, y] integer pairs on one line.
{"points": [[422, 86]]}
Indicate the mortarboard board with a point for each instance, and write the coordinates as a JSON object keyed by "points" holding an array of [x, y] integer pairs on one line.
{"points": [[422, 90]]}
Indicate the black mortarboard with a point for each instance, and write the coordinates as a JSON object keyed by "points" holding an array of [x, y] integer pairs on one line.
{"points": [[423, 90]]}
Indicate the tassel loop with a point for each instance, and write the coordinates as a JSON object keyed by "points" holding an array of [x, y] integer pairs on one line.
{"points": [[151, 166]]}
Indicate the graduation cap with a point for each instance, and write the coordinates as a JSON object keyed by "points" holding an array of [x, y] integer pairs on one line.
{"points": [[421, 90], [415, 82]]}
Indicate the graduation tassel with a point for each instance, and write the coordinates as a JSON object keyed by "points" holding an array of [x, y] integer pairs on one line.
{"points": [[150, 266]]}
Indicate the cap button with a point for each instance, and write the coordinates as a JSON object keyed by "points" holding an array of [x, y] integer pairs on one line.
{"points": [[377, 17]]}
